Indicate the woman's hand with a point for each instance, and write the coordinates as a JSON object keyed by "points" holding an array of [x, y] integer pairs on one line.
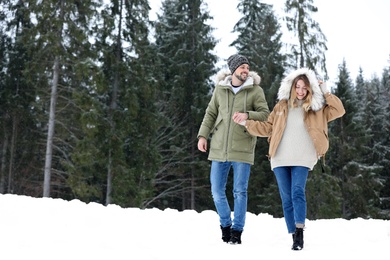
{"points": [[323, 87]]}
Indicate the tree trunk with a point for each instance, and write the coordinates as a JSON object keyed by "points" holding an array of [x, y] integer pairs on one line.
{"points": [[50, 132], [12, 154], [109, 178], [113, 106], [193, 156], [3, 159]]}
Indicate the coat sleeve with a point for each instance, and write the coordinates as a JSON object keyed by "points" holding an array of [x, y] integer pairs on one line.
{"points": [[260, 106], [261, 128], [334, 108]]}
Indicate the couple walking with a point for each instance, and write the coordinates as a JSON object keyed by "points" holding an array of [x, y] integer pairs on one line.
{"points": [[297, 133]]}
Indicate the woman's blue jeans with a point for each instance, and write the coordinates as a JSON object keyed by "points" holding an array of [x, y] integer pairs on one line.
{"points": [[218, 178], [292, 182]]}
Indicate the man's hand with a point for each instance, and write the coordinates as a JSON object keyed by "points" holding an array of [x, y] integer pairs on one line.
{"points": [[202, 144], [239, 118]]}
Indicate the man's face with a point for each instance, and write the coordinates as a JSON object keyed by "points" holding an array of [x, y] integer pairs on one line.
{"points": [[242, 72]]}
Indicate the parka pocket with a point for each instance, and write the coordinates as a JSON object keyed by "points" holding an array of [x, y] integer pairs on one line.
{"points": [[243, 141], [218, 134], [217, 123]]}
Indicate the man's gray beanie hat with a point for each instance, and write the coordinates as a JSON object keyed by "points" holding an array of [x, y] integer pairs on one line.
{"points": [[236, 61]]}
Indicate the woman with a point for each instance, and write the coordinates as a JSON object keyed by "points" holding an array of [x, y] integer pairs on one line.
{"points": [[297, 131]]}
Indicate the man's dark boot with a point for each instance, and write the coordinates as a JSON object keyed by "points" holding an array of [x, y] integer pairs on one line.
{"points": [[298, 239], [226, 233], [235, 237]]}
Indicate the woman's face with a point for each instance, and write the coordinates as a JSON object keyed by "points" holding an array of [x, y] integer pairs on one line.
{"points": [[300, 89]]}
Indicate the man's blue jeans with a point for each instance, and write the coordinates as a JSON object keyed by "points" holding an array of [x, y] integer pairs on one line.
{"points": [[292, 182], [218, 178]]}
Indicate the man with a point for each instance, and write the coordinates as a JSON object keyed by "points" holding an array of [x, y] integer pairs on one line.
{"points": [[237, 96]]}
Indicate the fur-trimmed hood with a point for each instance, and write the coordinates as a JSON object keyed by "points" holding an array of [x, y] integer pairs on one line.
{"points": [[225, 77], [318, 99]]}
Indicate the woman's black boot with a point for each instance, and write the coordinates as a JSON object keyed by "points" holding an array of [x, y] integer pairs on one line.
{"points": [[298, 239], [235, 237]]}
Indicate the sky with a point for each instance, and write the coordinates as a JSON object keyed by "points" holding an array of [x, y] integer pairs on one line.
{"points": [[47, 229], [357, 31]]}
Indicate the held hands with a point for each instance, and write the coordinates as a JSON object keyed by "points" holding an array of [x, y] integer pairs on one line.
{"points": [[324, 88], [240, 118]]}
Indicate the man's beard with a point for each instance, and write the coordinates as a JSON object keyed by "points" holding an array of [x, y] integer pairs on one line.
{"points": [[242, 77]]}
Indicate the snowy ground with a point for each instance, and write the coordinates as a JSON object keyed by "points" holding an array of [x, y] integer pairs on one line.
{"points": [[32, 228]]}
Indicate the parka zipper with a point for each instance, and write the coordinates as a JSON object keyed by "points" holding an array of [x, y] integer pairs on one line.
{"points": [[230, 120], [231, 115]]}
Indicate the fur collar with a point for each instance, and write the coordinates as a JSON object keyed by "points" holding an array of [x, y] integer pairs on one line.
{"points": [[318, 100], [224, 78]]}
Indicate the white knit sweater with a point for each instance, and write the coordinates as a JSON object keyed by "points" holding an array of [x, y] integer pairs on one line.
{"points": [[296, 147]]}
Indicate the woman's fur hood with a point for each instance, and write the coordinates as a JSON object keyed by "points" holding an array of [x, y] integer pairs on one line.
{"points": [[224, 78], [318, 99]]}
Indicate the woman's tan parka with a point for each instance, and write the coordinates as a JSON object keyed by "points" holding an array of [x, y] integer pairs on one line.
{"points": [[323, 110]]}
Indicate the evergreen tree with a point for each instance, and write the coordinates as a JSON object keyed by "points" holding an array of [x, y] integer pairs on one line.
{"points": [[358, 181], [361, 91], [309, 51], [138, 100], [60, 48], [375, 116], [115, 158], [259, 39], [3, 98], [19, 149], [362, 117], [323, 193], [385, 139], [374, 153], [184, 43]]}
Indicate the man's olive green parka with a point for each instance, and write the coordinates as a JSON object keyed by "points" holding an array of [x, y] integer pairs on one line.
{"points": [[231, 141]]}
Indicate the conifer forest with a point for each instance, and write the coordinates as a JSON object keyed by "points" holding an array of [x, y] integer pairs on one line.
{"points": [[99, 103]]}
